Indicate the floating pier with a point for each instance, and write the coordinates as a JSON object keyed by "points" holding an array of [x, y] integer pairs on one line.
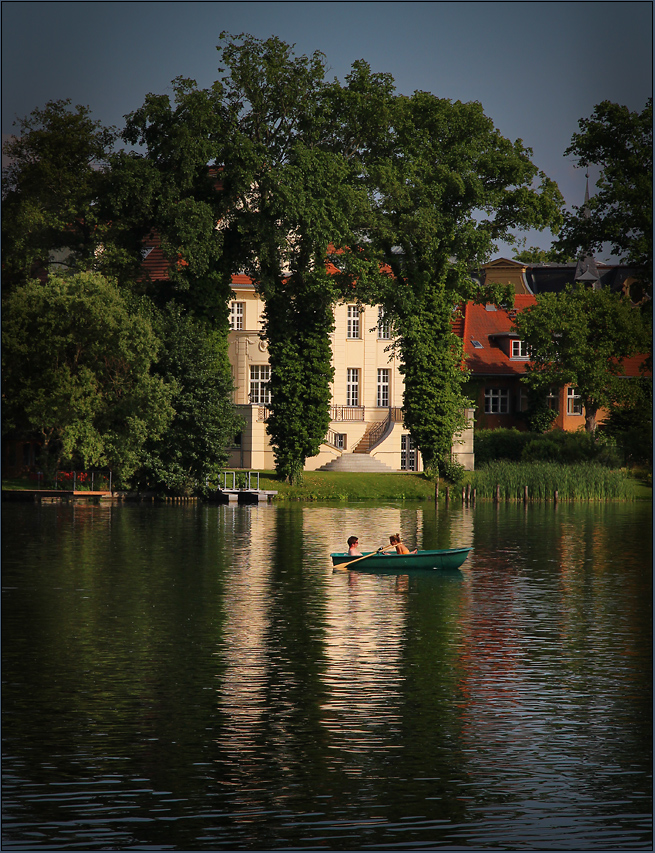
{"points": [[249, 493]]}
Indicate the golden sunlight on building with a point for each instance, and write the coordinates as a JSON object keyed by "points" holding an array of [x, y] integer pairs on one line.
{"points": [[366, 430]]}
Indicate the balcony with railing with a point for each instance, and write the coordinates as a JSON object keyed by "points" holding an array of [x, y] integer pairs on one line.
{"points": [[346, 413]]}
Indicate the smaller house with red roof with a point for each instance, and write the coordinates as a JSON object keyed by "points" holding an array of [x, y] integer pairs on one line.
{"points": [[498, 358]]}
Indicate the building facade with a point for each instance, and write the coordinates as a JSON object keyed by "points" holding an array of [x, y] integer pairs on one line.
{"points": [[367, 390], [496, 356]]}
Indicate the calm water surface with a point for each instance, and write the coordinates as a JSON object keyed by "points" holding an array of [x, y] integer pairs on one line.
{"points": [[197, 678]]}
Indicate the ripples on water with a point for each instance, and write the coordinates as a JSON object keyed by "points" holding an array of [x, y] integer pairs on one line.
{"points": [[197, 678]]}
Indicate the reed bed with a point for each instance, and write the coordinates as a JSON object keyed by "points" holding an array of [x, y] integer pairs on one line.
{"points": [[584, 481]]}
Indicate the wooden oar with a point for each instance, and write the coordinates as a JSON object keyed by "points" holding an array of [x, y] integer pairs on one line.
{"points": [[341, 567]]}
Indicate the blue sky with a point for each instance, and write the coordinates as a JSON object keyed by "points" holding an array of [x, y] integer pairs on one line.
{"points": [[536, 67]]}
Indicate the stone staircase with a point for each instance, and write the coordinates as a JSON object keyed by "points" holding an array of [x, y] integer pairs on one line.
{"points": [[370, 437], [360, 459], [360, 462]]}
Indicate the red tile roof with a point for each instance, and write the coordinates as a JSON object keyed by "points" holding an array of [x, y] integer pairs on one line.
{"points": [[481, 325], [489, 327]]}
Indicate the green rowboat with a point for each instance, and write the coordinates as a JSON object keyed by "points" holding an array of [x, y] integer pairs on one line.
{"points": [[451, 558]]}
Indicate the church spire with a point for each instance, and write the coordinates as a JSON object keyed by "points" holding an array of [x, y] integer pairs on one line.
{"points": [[586, 270]]}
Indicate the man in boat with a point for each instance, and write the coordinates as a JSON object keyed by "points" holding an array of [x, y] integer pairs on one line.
{"points": [[353, 551]]}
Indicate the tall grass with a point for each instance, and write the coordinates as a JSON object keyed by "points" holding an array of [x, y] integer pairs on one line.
{"points": [[584, 481]]}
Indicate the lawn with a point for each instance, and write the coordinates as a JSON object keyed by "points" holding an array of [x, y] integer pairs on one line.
{"points": [[346, 486]]}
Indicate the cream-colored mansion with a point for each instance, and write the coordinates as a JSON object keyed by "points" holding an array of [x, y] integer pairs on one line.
{"points": [[367, 390]]}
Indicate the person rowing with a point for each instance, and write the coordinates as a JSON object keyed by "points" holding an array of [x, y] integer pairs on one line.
{"points": [[353, 550]]}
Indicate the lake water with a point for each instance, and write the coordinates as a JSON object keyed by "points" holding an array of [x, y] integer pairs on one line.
{"points": [[195, 677]]}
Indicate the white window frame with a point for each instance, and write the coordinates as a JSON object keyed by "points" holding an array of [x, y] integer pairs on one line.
{"points": [[354, 323], [408, 458], [519, 349], [496, 401], [237, 312], [260, 389], [384, 387], [552, 399], [573, 401], [384, 325], [352, 387]]}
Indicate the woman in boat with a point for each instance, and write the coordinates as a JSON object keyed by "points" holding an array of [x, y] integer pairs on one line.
{"points": [[401, 548], [353, 551]]}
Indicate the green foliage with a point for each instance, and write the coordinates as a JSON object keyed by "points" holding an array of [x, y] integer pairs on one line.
{"points": [[290, 197], [536, 255], [566, 448], [453, 472], [55, 174], [429, 175], [621, 213], [579, 337], [631, 426], [301, 371], [76, 363], [191, 450], [538, 416], [169, 189], [582, 481], [560, 446], [492, 444]]}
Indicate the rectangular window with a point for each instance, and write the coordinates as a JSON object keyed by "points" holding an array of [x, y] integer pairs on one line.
{"points": [[573, 402], [236, 316], [407, 453], [496, 401], [353, 321], [352, 389], [519, 349], [260, 391], [384, 326], [383, 387], [522, 400], [552, 399]]}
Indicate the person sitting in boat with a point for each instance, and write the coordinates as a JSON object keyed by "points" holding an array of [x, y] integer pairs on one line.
{"points": [[401, 548], [353, 551]]}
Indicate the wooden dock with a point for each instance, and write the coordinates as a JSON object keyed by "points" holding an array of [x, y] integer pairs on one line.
{"points": [[49, 495], [224, 496], [242, 496]]}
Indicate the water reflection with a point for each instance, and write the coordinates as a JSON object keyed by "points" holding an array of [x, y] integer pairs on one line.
{"points": [[198, 678]]}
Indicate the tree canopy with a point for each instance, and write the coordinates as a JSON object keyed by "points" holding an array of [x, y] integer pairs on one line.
{"points": [[76, 371], [579, 337], [291, 196], [276, 172], [443, 186], [620, 142], [50, 190], [191, 450]]}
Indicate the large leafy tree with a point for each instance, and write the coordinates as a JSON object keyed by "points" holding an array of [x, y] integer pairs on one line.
{"points": [[76, 372], [57, 164], [443, 185], [579, 337], [169, 192], [620, 142], [291, 198], [192, 448]]}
